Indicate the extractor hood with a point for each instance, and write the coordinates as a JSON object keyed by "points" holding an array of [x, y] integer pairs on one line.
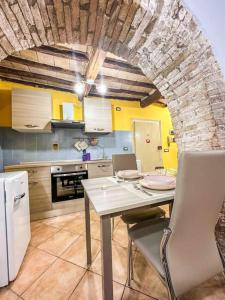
{"points": [[67, 124]]}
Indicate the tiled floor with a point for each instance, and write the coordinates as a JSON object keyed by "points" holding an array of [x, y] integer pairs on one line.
{"points": [[54, 266]]}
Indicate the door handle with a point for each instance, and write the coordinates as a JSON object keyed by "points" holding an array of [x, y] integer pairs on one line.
{"points": [[19, 197]]}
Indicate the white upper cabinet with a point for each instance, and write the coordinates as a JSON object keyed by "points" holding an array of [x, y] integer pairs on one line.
{"points": [[97, 115], [31, 110]]}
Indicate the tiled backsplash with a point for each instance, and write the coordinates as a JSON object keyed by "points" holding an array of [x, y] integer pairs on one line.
{"points": [[23, 147]]}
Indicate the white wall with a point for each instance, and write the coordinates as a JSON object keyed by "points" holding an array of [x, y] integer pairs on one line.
{"points": [[211, 18]]}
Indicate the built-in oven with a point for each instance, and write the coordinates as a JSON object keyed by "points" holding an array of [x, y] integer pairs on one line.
{"points": [[66, 182]]}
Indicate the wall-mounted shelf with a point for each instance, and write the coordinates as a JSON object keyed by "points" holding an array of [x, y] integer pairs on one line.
{"points": [[67, 124]]}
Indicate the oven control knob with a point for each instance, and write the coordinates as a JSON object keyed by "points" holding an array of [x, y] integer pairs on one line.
{"points": [[58, 169], [81, 167]]}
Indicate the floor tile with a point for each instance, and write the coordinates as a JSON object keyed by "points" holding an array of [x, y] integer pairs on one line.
{"points": [[57, 283], [146, 279], [94, 216], [77, 226], [95, 230], [7, 294], [34, 264], [60, 221], [120, 235], [90, 288], [34, 225], [130, 294], [166, 209], [76, 253], [59, 242], [41, 234], [119, 263]]}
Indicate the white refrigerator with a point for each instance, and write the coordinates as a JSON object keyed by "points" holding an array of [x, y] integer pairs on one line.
{"points": [[14, 223]]}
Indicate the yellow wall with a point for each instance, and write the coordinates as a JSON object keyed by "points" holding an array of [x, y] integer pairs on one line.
{"points": [[57, 99], [122, 120]]}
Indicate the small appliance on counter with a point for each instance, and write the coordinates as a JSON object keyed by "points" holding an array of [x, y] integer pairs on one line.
{"points": [[66, 182], [86, 156], [14, 223]]}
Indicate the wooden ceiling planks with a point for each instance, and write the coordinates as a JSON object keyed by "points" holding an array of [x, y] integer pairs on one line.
{"points": [[63, 66]]}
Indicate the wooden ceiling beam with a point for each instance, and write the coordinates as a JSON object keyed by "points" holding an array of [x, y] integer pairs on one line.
{"points": [[123, 66], [63, 52], [42, 66], [150, 99], [127, 81], [96, 62], [36, 84], [8, 71], [114, 97], [122, 91]]}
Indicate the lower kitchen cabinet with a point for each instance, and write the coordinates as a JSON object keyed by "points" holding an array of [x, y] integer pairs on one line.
{"points": [[96, 170], [40, 195]]}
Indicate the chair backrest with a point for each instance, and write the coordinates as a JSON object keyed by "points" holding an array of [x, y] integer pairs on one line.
{"points": [[191, 252], [124, 162]]}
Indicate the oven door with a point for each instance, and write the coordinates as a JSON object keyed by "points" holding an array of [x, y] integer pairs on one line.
{"points": [[67, 186]]}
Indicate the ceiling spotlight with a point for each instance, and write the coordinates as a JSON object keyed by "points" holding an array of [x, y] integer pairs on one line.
{"points": [[90, 81], [79, 88], [102, 89]]}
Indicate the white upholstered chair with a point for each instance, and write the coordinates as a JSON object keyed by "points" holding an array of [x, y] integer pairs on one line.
{"points": [[183, 250]]}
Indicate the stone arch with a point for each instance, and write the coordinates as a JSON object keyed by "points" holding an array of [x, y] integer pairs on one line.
{"points": [[160, 36]]}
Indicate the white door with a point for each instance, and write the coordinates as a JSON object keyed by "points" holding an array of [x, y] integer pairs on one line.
{"points": [[17, 220], [148, 146]]}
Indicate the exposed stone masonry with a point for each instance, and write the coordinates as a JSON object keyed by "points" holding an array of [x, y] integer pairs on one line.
{"points": [[161, 36]]}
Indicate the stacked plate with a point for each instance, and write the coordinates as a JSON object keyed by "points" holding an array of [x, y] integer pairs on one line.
{"points": [[158, 182], [129, 174]]}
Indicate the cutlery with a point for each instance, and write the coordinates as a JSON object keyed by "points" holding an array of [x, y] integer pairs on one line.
{"points": [[140, 189]]}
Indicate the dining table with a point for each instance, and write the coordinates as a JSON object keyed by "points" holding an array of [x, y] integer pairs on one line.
{"points": [[111, 197]]}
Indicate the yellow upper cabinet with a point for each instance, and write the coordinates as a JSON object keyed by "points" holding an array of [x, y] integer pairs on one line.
{"points": [[31, 110]]}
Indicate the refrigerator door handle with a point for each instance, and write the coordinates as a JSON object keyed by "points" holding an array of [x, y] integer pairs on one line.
{"points": [[19, 197]]}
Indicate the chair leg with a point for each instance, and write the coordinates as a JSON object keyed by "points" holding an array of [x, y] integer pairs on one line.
{"points": [[171, 296], [113, 226], [130, 263]]}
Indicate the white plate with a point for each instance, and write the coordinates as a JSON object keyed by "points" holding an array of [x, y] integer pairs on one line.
{"points": [[129, 174], [159, 182]]}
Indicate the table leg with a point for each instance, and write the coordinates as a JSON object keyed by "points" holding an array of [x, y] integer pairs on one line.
{"points": [[88, 230], [107, 275], [170, 208]]}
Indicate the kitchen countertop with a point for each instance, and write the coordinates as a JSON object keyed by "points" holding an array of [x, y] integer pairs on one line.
{"points": [[38, 164]]}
